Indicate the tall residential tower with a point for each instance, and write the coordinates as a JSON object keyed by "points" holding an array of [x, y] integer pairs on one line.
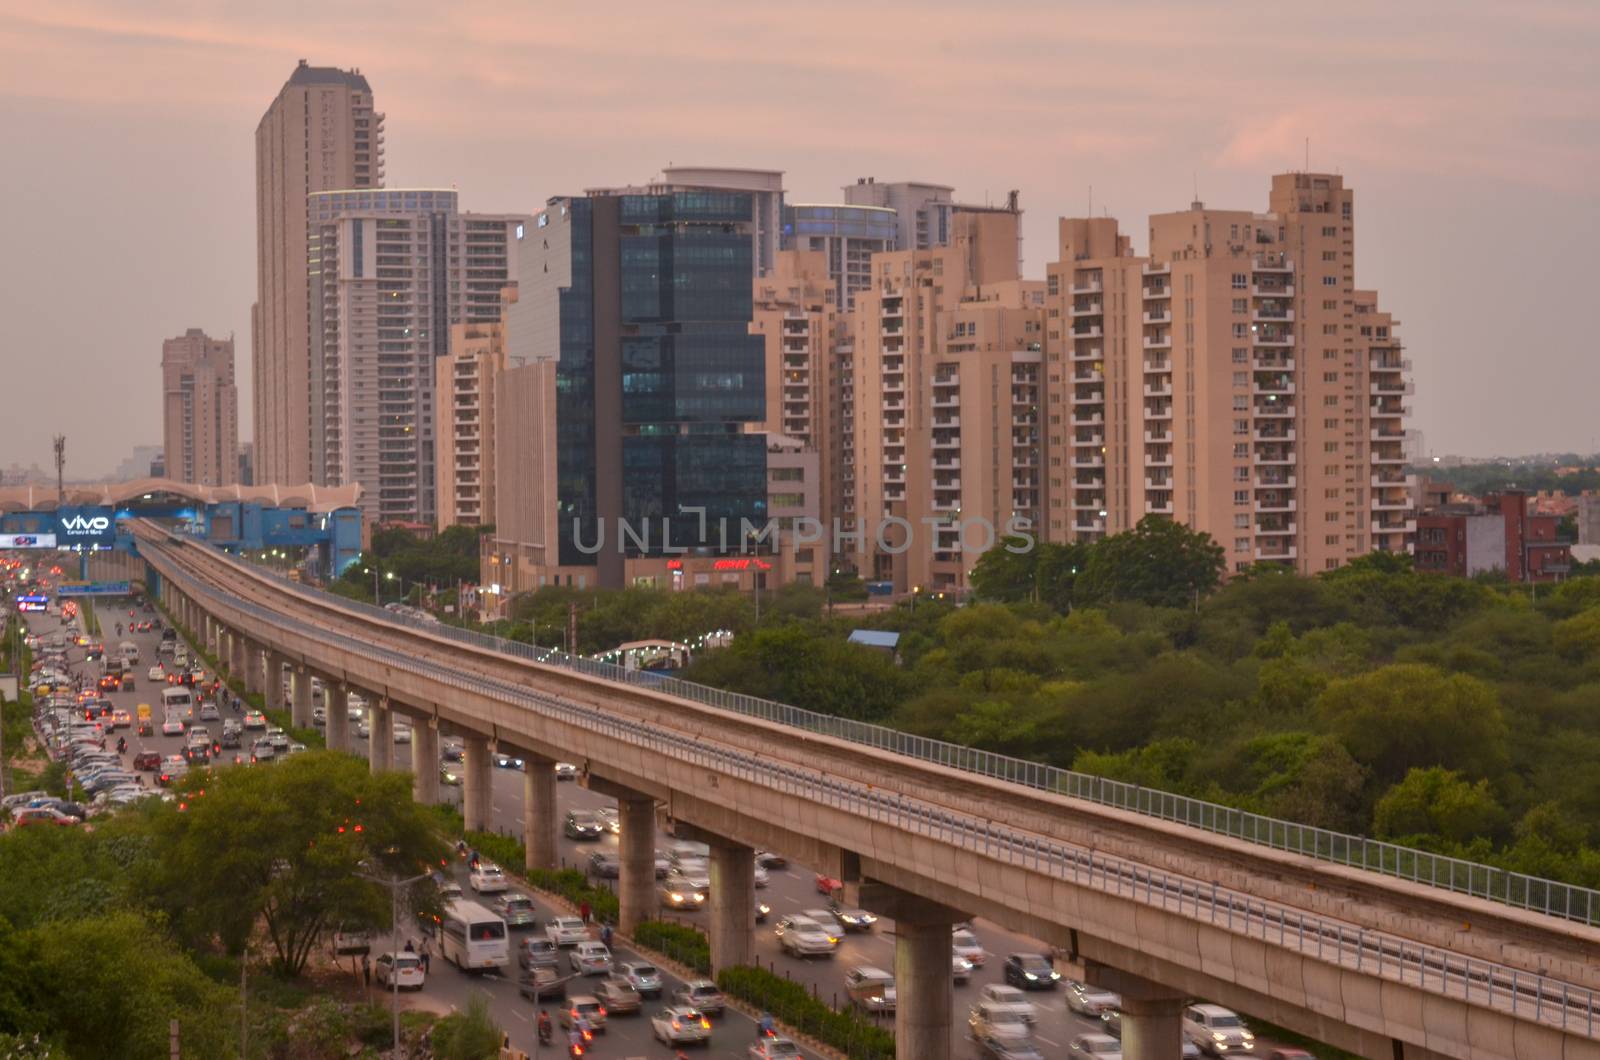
{"points": [[199, 409]]}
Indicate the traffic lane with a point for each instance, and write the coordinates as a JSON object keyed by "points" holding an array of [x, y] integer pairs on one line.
{"points": [[792, 889], [624, 1036]]}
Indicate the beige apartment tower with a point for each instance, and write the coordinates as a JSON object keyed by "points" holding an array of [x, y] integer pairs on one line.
{"points": [[320, 133], [1235, 380], [464, 448], [199, 409]]}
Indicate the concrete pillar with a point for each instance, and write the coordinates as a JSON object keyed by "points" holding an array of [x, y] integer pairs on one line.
{"points": [[733, 905], [300, 699], [211, 635], [922, 978], [425, 761], [636, 885], [539, 811], [276, 700], [1152, 1028], [1152, 1014], [477, 782], [337, 706], [254, 667], [380, 742]]}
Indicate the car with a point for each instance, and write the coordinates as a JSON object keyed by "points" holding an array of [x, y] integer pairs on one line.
{"points": [[487, 878], [1088, 1000], [541, 981], [208, 712], [402, 972], [566, 771], [800, 936], [1101, 1046], [1216, 1030], [1008, 1049], [618, 997], [763, 910], [402, 734], [147, 761], [586, 1007], [449, 750], [362, 729], [680, 1025], [871, 989], [263, 751], [581, 824], [254, 720], [960, 969], [171, 771], [703, 995], [1015, 1001], [111, 683], [172, 727], [538, 951], [824, 919], [642, 976], [769, 860], [121, 719], [610, 818], [505, 761], [278, 739], [1031, 971], [449, 777], [231, 737], [319, 716], [774, 1049], [663, 864], [605, 865], [518, 912], [987, 1019], [965, 944], [851, 918], [761, 877], [34, 816], [678, 893], [566, 930], [197, 754], [827, 885], [590, 958]]}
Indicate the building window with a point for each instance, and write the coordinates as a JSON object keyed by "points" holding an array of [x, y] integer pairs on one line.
{"points": [[1331, 539], [1241, 521], [1330, 281], [1241, 305], [1240, 331], [1241, 496], [1241, 402], [1241, 378], [1241, 426], [1241, 474], [1241, 544], [1330, 447], [1330, 517], [1330, 377], [1332, 424], [1241, 355], [1240, 281], [1241, 450]]}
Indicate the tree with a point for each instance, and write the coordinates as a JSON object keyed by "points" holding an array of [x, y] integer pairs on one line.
{"points": [[470, 1034], [1407, 716], [1578, 637], [282, 847], [1438, 801], [1159, 562]]}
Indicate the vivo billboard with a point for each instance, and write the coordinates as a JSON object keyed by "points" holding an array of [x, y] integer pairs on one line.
{"points": [[88, 527]]}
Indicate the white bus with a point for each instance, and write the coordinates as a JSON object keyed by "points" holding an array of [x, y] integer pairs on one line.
{"points": [[472, 937], [177, 699]]}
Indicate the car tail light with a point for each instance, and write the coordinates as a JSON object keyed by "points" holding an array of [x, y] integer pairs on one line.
{"points": [[705, 1023], [602, 1010]]}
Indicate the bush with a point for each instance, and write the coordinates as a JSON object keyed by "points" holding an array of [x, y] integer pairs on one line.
{"points": [[793, 1005], [470, 1034], [684, 944]]}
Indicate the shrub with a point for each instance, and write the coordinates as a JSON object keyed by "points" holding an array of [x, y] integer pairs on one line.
{"points": [[793, 1005], [470, 1034], [684, 944]]}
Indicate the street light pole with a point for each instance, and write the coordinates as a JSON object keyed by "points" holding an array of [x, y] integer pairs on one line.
{"points": [[395, 884]]}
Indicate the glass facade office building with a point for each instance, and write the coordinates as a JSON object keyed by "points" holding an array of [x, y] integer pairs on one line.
{"points": [[658, 374]]}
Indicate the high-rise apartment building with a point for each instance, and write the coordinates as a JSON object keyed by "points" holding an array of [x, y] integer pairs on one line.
{"points": [[1235, 380], [922, 211], [943, 405], [761, 188], [847, 237], [392, 270], [200, 409], [464, 450], [621, 440], [321, 132]]}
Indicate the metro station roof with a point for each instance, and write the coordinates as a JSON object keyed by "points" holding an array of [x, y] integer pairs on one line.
{"points": [[310, 497]]}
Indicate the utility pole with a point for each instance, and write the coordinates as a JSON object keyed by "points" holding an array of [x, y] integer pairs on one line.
{"points": [[61, 463], [395, 885]]}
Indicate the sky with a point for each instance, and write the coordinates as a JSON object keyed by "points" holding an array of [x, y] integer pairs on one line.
{"points": [[1470, 131]]}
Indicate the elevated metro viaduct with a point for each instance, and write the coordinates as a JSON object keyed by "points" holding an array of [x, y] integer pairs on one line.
{"points": [[1163, 912], [94, 520]]}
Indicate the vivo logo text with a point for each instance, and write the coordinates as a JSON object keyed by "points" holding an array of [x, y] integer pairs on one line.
{"points": [[80, 524]]}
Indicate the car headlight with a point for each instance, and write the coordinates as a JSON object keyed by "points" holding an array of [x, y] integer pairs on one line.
{"points": [[1247, 1036], [1218, 1036], [1029, 975]]}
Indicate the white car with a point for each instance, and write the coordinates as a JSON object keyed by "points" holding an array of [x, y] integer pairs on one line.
{"points": [[172, 727], [1099, 1046], [402, 734], [1217, 1030], [825, 920], [566, 771], [1082, 998], [803, 937], [761, 876], [775, 1049], [566, 931], [1013, 1000], [487, 878], [403, 972], [965, 944], [156, 673], [680, 1025], [591, 958]]}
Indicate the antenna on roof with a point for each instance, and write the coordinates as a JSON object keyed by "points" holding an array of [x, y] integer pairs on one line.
{"points": [[1308, 154]]}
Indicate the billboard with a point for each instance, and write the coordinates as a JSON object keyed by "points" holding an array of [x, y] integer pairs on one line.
{"points": [[86, 527], [92, 589], [27, 541], [32, 602]]}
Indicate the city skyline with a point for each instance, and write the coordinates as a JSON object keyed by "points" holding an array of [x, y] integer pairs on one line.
{"points": [[1469, 136]]}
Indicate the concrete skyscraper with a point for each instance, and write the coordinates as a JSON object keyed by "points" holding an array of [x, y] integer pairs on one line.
{"points": [[199, 409], [321, 132]]}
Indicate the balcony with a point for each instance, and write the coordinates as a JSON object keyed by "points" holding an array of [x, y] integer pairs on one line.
{"points": [[1275, 503], [1271, 290], [1090, 331], [1026, 419], [1394, 526], [1273, 433], [1089, 460], [1274, 480], [947, 400], [1162, 484], [1087, 309], [1094, 438], [1088, 502], [1158, 364], [1158, 412], [1090, 354], [1085, 481], [1162, 437], [1272, 315], [1159, 507], [1275, 528], [1395, 437], [1273, 457], [1159, 459], [1382, 387], [1087, 287], [1156, 269], [1273, 362], [1089, 397], [1162, 389], [1388, 458], [1158, 290], [1263, 336], [1274, 409], [1090, 526], [945, 462], [1272, 384], [1391, 364], [1157, 316], [946, 504], [1089, 419], [1088, 375], [1394, 481], [1273, 263], [1391, 504], [1158, 342]]}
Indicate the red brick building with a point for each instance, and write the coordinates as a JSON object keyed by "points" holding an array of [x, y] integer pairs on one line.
{"points": [[1500, 534]]}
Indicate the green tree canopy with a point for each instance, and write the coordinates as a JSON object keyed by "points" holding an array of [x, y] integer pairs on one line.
{"points": [[1404, 717], [1158, 562], [1438, 801]]}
